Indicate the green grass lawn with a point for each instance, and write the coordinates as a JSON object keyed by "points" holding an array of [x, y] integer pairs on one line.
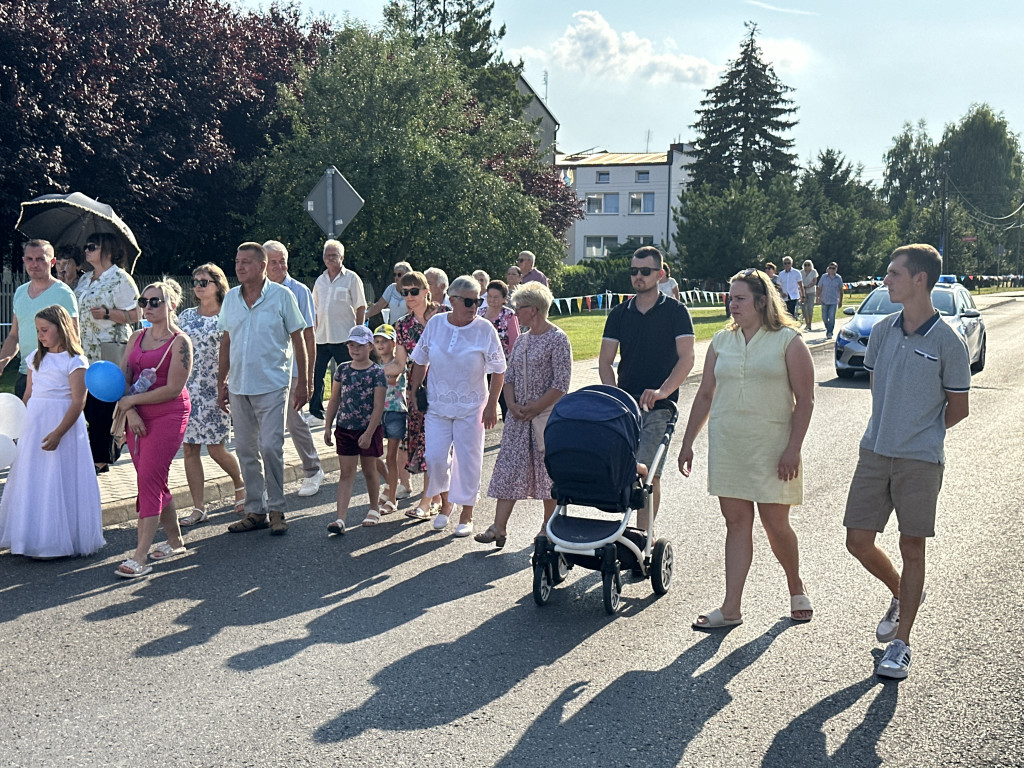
{"points": [[584, 330]]}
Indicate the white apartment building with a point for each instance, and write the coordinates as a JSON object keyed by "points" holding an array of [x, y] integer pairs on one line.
{"points": [[628, 196]]}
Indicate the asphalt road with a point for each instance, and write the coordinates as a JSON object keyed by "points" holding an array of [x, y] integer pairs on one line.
{"points": [[398, 646]]}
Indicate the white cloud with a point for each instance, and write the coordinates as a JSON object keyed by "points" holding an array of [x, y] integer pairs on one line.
{"points": [[591, 46], [786, 55], [776, 8]]}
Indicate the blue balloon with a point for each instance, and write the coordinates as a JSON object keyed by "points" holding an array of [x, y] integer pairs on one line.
{"points": [[105, 381]]}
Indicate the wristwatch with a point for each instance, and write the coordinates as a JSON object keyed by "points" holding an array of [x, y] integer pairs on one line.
{"points": [[106, 313]]}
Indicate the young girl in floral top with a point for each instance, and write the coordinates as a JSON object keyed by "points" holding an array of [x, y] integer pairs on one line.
{"points": [[357, 399]]}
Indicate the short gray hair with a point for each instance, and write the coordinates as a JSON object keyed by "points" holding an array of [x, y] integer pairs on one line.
{"points": [[481, 277], [277, 247], [528, 255], [438, 274], [337, 244], [533, 295], [464, 283], [405, 266]]}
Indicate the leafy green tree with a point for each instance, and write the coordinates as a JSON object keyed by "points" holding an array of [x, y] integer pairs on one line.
{"points": [[910, 171], [398, 121], [741, 123]]}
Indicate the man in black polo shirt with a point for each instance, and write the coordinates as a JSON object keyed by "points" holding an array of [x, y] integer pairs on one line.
{"points": [[654, 336]]}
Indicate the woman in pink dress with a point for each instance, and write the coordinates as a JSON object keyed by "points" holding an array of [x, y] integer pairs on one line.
{"points": [[157, 415]]}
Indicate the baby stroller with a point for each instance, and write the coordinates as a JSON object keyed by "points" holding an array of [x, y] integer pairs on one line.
{"points": [[591, 442]]}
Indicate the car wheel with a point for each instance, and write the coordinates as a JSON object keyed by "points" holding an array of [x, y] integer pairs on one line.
{"points": [[845, 373], [979, 365]]}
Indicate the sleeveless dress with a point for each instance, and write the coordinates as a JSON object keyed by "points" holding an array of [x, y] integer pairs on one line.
{"points": [[751, 414], [165, 427], [208, 424], [51, 501]]}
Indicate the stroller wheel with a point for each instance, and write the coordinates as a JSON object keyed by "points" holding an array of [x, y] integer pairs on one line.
{"points": [[662, 563], [612, 589], [542, 585], [559, 570]]}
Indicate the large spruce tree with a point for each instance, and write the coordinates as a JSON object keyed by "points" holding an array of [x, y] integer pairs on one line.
{"points": [[741, 124]]}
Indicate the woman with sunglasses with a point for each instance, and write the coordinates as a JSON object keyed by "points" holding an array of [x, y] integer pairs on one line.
{"points": [[106, 300], [756, 394], [392, 298], [207, 425], [158, 363], [462, 348], [408, 329]]}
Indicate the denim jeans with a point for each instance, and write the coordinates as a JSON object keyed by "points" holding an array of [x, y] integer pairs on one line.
{"points": [[828, 315]]}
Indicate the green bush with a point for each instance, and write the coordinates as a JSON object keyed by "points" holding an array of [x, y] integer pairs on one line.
{"points": [[577, 280]]}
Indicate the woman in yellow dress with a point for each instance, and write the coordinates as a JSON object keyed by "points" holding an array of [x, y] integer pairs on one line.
{"points": [[757, 392]]}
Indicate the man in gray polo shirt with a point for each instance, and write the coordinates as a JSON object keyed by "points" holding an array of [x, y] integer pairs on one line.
{"points": [[920, 378]]}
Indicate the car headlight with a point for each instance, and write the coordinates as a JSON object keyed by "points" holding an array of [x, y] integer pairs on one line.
{"points": [[848, 334]]}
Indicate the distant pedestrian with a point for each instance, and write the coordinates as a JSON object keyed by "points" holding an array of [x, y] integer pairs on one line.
{"points": [[354, 415], [437, 279], [395, 413], [503, 318], [513, 277], [526, 263], [260, 319], [808, 292], [339, 303], [920, 380], [481, 277], [830, 296], [302, 439], [391, 299], [667, 284], [789, 285]]}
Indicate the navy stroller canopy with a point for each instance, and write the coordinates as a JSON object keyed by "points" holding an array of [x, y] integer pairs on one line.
{"points": [[591, 442]]}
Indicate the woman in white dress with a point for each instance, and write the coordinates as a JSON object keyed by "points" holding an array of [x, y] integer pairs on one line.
{"points": [[51, 502], [461, 348]]}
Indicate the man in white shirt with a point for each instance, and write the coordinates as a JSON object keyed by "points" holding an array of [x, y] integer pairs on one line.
{"points": [[789, 284], [340, 304]]}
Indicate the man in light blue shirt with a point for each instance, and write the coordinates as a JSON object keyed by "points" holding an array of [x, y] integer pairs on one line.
{"points": [[258, 318], [302, 438], [42, 290]]}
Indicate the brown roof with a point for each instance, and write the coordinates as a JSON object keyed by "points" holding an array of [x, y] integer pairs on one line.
{"points": [[615, 158]]}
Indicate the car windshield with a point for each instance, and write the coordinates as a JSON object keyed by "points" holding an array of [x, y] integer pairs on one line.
{"points": [[878, 303]]}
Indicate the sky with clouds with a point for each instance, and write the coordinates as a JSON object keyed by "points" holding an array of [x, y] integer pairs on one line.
{"points": [[625, 76]]}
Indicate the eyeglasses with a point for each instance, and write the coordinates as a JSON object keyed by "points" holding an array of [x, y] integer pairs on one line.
{"points": [[411, 291], [645, 271], [90, 247], [520, 261], [201, 282], [153, 302], [468, 302]]}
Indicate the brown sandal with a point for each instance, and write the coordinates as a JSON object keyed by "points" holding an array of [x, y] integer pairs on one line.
{"points": [[491, 536]]}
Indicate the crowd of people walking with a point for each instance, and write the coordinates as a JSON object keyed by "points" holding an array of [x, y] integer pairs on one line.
{"points": [[415, 395]]}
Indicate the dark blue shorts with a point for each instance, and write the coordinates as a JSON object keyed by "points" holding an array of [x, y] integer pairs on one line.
{"points": [[394, 425]]}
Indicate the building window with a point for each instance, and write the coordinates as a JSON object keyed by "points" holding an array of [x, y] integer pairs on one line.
{"points": [[597, 246], [641, 240], [643, 177], [641, 202], [604, 177], [603, 203]]}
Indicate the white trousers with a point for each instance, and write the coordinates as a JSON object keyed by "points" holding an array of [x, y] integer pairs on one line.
{"points": [[459, 474]]}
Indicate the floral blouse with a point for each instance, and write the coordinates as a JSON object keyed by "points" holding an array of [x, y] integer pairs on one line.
{"points": [[114, 289], [507, 326], [355, 407]]}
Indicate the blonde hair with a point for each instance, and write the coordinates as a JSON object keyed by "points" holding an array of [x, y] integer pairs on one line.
{"points": [[533, 295], [171, 292], [767, 300], [58, 316]]}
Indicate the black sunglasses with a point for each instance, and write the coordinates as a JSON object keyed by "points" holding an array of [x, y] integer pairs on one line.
{"points": [[201, 282], [153, 302], [468, 302], [90, 247], [411, 291], [645, 271]]}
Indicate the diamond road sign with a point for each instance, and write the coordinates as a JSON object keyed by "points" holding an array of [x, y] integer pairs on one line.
{"points": [[333, 203]]}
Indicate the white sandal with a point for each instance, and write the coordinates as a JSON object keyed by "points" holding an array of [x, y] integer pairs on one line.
{"points": [[195, 516], [387, 507], [371, 519]]}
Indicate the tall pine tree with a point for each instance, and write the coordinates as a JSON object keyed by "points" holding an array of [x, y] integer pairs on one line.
{"points": [[741, 122]]}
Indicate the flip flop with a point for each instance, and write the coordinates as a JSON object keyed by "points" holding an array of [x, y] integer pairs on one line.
{"points": [[715, 620], [800, 603]]}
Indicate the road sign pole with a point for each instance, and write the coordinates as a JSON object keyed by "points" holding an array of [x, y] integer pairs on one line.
{"points": [[330, 202]]}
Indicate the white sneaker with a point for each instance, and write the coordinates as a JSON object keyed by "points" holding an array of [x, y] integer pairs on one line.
{"points": [[895, 661], [890, 623], [312, 484], [440, 522], [402, 492], [314, 421], [464, 529]]}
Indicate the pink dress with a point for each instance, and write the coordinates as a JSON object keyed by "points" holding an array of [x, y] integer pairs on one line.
{"points": [[165, 428]]}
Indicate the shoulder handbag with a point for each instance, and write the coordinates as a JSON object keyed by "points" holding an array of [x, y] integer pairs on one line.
{"points": [[117, 427]]}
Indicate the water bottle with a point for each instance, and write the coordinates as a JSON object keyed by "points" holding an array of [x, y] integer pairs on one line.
{"points": [[146, 379]]}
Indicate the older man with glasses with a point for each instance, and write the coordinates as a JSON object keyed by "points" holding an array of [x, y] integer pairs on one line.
{"points": [[530, 273]]}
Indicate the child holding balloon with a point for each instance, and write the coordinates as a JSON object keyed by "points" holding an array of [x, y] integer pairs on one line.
{"points": [[51, 502]]}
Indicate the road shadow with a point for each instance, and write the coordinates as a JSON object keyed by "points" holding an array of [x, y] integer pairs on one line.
{"points": [[857, 382], [645, 717], [803, 742]]}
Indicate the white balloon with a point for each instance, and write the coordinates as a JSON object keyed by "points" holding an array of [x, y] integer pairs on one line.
{"points": [[8, 451], [12, 415]]}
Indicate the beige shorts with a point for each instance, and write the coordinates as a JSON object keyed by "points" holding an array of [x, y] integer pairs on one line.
{"points": [[881, 484]]}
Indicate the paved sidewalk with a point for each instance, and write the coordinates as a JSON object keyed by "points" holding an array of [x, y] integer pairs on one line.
{"points": [[118, 486]]}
